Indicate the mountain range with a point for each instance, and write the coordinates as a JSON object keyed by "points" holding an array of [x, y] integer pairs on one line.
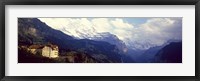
{"points": [[99, 47], [33, 31]]}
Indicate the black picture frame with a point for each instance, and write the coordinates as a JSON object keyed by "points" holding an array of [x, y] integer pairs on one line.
{"points": [[99, 2]]}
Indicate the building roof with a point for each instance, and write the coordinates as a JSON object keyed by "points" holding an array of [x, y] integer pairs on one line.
{"points": [[42, 46], [52, 46], [36, 46]]}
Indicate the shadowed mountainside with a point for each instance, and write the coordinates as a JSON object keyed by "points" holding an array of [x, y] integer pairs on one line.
{"points": [[33, 31]]}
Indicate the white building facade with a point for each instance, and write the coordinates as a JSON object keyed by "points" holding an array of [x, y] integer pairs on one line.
{"points": [[50, 51]]}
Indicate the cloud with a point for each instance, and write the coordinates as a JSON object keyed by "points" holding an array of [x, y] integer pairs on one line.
{"points": [[157, 31], [102, 24], [121, 24], [154, 32]]}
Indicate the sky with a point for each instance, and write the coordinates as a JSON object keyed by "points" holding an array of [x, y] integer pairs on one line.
{"points": [[136, 32]]}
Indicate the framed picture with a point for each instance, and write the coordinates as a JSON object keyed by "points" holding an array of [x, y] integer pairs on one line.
{"points": [[100, 40]]}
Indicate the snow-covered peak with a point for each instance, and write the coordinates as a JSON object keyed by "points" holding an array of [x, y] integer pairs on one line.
{"points": [[153, 32]]}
